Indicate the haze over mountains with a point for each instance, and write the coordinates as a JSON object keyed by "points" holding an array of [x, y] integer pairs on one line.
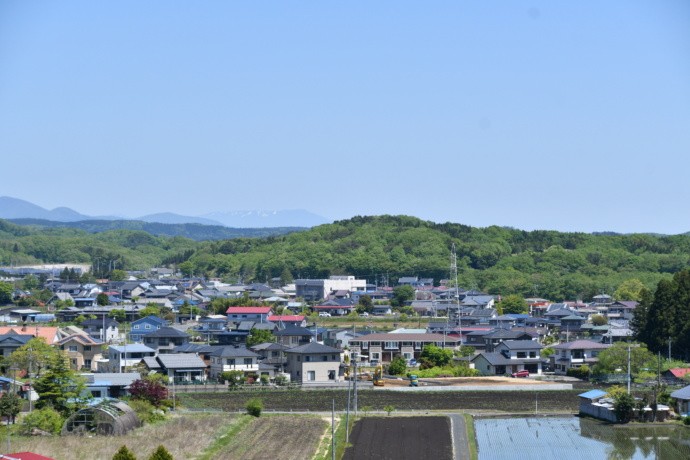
{"points": [[14, 208]]}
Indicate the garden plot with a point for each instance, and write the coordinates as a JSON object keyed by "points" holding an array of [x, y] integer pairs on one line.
{"points": [[397, 438], [284, 437], [575, 438]]}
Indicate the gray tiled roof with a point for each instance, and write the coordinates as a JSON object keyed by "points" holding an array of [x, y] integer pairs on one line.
{"points": [[167, 332], [232, 352], [181, 361], [313, 347]]}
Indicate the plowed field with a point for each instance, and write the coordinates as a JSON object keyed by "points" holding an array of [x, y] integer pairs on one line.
{"points": [[399, 438]]}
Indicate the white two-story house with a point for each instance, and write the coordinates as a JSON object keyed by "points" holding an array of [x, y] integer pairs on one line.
{"points": [[510, 356], [575, 354], [233, 358]]}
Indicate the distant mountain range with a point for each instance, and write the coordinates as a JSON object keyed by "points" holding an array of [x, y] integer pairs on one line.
{"points": [[14, 208]]}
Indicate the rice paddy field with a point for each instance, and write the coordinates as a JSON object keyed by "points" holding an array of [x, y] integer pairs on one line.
{"points": [[577, 438]]}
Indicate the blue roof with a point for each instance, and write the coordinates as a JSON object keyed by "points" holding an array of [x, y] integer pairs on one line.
{"points": [[518, 315], [132, 348], [683, 393], [151, 319], [593, 394]]}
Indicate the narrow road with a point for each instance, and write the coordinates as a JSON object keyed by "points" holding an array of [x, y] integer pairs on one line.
{"points": [[459, 432]]}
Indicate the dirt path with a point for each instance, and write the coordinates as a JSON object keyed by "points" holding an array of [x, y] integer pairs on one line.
{"points": [[459, 381]]}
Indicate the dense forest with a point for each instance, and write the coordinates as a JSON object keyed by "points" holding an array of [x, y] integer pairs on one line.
{"points": [[548, 264], [197, 232]]}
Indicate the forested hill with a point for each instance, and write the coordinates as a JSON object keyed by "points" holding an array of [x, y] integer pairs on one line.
{"points": [[494, 259], [197, 232]]}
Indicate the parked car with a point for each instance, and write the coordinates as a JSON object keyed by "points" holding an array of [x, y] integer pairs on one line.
{"points": [[522, 373], [324, 315], [413, 362], [374, 362], [364, 314]]}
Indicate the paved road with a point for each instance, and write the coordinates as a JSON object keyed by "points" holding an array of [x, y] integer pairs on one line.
{"points": [[459, 431]]}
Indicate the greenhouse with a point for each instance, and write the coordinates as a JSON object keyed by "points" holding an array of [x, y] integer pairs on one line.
{"points": [[108, 418]]}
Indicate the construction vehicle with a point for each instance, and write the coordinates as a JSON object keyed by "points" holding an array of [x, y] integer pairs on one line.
{"points": [[378, 376], [413, 381]]}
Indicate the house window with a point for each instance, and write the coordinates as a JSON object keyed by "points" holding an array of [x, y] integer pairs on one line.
{"points": [[147, 326], [136, 326], [521, 354], [376, 355], [73, 348], [311, 375], [391, 345], [334, 358], [417, 345], [331, 375], [248, 361], [307, 359], [407, 356], [230, 361], [87, 363], [324, 358], [87, 348], [299, 358]]}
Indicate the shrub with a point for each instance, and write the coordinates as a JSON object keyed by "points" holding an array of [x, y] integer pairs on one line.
{"points": [[146, 412], [148, 390], [397, 366], [124, 454], [161, 454], [264, 379], [581, 372], [389, 409], [254, 407], [686, 420], [367, 409], [46, 419], [281, 380]]}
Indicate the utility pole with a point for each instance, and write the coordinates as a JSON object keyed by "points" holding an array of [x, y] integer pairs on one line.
{"points": [[628, 368], [454, 274], [669, 348], [354, 384], [333, 429], [347, 418]]}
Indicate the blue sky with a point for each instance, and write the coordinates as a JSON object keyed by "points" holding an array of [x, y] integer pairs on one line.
{"points": [[572, 116]]}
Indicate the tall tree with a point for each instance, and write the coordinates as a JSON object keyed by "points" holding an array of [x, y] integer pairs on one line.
{"points": [[10, 405], [6, 290], [35, 356], [513, 304], [629, 290], [102, 299], [62, 388], [402, 294], [257, 336]]}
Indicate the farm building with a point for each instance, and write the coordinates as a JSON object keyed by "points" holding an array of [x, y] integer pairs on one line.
{"points": [[105, 419]]}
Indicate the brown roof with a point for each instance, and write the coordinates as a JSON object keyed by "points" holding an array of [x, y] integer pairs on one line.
{"points": [[403, 337]]}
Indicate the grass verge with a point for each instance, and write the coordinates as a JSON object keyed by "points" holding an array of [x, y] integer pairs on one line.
{"points": [[471, 438], [226, 437]]}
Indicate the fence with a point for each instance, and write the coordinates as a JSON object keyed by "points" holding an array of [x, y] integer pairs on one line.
{"points": [[223, 387]]}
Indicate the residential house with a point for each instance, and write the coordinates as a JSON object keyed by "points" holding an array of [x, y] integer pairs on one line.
{"points": [[384, 347], [336, 307], [232, 337], [124, 356], [82, 351], [163, 340], [10, 342], [622, 309], [233, 358], [314, 363], [110, 385], [179, 367], [682, 398], [315, 290], [256, 314], [575, 354], [210, 326], [271, 353], [50, 334], [144, 326], [494, 337], [510, 356], [94, 328], [294, 336], [283, 321]]}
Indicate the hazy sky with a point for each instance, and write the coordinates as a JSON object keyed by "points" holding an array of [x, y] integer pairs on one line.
{"points": [[562, 115]]}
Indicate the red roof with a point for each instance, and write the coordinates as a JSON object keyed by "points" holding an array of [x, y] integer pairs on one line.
{"points": [[678, 373], [286, 318], [261, 310], [26, 456]]}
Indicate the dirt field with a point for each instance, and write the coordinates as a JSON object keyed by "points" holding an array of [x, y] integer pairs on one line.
{"points": [[459, 381], [183, 436], [276, 437], [396, 438], [320, 400]]}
